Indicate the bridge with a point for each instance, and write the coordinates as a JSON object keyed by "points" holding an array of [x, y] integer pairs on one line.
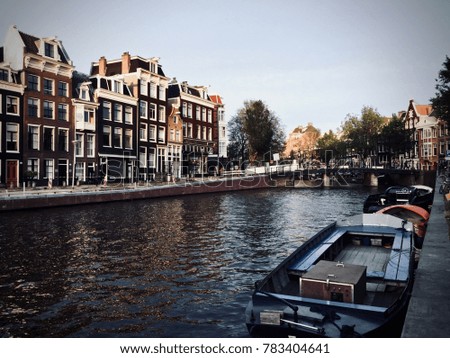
{"points": [[299, 176]]}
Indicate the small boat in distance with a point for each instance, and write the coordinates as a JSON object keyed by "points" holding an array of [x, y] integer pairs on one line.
{"points": [[415, 214], [419, 195], [352, 279]]}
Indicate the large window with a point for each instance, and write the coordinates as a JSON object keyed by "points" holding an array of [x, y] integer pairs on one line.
{"points": [[33, 107], [162, 93], [12, 105], [90, 145], [49, 134], [117, 114], [162, 113], [48, 86], [79, 144], [143, 157], [152, 111], [49, 168], [143, 131], [107, 136], [63, 140], [128, 139], [152, 133], [63, 89], [107, 111], [49, 50], [142, 109], [12, 137], [118, 137], [153, 90], [32, 82], [143, 87], [63, 112], [161, 134], [48, 109], [128, 115], [33, 137]]}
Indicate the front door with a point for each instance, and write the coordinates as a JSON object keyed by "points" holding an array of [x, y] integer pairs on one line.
{"points": [[12, 173]]}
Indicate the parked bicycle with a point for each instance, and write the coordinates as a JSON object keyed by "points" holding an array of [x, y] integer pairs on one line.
{"points": [[444, 188]]}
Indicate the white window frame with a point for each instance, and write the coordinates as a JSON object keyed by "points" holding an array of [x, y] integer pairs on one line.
{"points": [[152, 133], [143, 131], [152, 111], [162, 114], [51, 91], [15, 103], [90, 145], [143, 109], [51, 107], [128, 115], [52, 145], [36, 136], [128, 136], [15, 139]]}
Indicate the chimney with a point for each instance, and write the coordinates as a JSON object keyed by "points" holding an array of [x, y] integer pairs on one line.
{"points": [[102, 66], [126, 62]]}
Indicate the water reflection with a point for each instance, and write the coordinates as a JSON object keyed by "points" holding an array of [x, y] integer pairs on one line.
{"points": [[176, 267]]}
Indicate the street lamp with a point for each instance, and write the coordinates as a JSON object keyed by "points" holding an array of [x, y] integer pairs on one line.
{"points": [[74, 161]]}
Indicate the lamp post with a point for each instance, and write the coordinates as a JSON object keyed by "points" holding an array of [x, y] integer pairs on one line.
{"points": [[74, 161]]}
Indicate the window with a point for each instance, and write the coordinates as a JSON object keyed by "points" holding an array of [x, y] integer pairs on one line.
{"points": [[161, 134], [162, 93], [152, 111], [209, 133], [84, 94], [128, 139], [33, 107], [184, 109], [63, 140], [49, 50], [107, 136], [118, 137], [152, 133], [199, 132], [90, 145], [117, 86], [142, 109], [143, 131], [172, 135], [32, 82], [204, 133], [153, 67], [117, 114], [4, 75], [49, 168], [12, 105], [12, 137], [209, 116], [189, 110], [79, 145], [129, 115], [197, 113], [153, 90], [204, 114], [162, 113], [48, 109], [151, 158], [143, 157], [144, 87], [33, 165], [48, 86], [107, 111], [89, 115], [190, 132], [33, 137], [62, 112], [62, 89], [49, 138]]}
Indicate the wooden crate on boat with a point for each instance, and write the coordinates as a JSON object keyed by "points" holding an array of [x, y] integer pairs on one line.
{"points": [[333, 281]]}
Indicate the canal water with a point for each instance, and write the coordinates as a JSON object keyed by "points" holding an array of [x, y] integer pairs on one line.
{"points": [[172, 267]]}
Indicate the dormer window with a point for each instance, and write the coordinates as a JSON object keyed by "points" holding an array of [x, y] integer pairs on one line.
{"points": [[4, 75], [49, 50]]}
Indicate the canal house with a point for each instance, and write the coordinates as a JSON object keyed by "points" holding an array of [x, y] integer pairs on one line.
{"points": [[46, 131]]}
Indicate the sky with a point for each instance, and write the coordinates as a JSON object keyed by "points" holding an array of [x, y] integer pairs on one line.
{"points": [[309, 61]]}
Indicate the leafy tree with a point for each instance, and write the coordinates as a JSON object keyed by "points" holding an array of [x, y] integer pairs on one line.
{"points": [[362, 133], [393, 136], [441, 103], [255, 131], [329, 142]]}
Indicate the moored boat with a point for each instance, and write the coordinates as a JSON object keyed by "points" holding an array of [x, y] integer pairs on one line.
{"points": [[415, 214], [419, 195], [352, 279]]}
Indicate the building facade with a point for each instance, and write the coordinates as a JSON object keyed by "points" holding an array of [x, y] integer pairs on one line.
{"points": [[122, 122], [46, 132]]}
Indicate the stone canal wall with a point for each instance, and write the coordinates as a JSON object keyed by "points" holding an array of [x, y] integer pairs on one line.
{"points": [[44, 198]]}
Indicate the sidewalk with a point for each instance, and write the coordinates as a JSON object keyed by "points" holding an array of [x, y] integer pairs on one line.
{"points": [[429, 309]]}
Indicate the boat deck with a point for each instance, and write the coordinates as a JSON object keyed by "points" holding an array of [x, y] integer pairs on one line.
{"points": [[376, 259]]}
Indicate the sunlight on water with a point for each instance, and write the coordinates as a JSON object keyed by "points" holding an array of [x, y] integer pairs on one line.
{"points": [[176, 267]]}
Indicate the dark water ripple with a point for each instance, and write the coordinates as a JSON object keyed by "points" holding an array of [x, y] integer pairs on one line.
{"points": [[177, 267]]}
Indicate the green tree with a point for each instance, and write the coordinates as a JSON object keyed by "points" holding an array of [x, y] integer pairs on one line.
{"points": [[441, 103], [393, 137], [330, 146], [361, 134], [255, 131]]}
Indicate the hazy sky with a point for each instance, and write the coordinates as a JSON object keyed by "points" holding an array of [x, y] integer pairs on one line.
{"points": [[308, 60]]}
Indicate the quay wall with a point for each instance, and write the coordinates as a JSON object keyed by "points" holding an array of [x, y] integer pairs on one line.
{"points": [[54, 198]]}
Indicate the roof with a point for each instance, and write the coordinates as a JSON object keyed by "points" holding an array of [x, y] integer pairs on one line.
{"points": [[216, 98], [31, 47], [424, 109]]}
